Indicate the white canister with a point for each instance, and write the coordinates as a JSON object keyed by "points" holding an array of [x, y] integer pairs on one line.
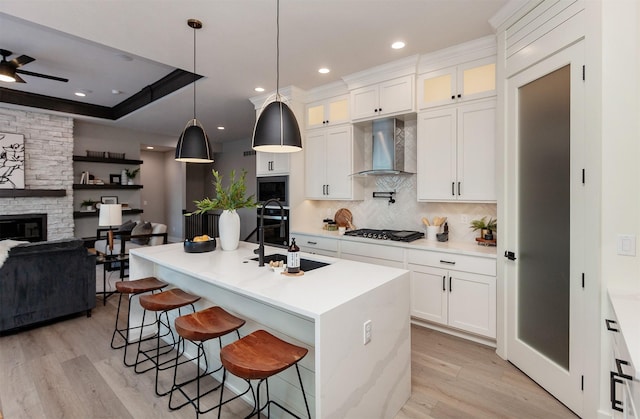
{"points": [[431, 232]]}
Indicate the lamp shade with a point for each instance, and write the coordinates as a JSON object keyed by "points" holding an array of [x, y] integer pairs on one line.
{"points": [[110, 215], [7, 73], [193, 145], [277, 130]]}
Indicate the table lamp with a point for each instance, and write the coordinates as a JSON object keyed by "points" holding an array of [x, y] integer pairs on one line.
{"points": [[110, 215]]}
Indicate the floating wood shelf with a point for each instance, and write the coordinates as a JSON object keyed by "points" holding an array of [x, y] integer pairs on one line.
{"points": [[105, 186], [105, 160], [87, 214], [28, 193]]}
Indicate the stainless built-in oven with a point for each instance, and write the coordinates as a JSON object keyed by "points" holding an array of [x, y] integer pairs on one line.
{"points": [[276, 220]]}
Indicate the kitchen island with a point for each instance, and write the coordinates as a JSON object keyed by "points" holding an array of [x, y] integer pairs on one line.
{"points": [[324, 310]]}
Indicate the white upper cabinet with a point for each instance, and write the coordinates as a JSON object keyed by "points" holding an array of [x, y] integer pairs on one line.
{"points": [[272, 164], [392, 97], [456, 153], [328, 112], [330, 159], [471, 80]]}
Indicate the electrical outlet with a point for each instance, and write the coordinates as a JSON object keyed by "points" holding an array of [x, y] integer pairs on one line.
{"points": [[464, 218], [367, 332]]}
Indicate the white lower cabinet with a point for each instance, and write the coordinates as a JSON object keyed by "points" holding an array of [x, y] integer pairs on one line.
{"points": [[316, 245], [453, 298], [372, 253], [624, 387]]}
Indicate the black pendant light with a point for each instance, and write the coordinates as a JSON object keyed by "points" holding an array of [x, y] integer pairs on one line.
{"points": [[277, 129], [193, 145]]}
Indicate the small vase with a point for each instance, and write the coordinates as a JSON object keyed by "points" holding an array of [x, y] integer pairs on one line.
{"points": [[130, 182], [229, 229], [123, 177]]}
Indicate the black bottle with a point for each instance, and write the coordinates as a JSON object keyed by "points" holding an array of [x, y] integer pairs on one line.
{"points": [[293, 258]]}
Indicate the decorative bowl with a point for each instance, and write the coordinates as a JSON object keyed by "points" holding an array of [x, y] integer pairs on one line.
{"points": [[200, 247]]}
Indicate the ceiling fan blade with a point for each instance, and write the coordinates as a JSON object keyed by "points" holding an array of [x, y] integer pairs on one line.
{"points": [[22, 60], [44, 76], [18, 79]]}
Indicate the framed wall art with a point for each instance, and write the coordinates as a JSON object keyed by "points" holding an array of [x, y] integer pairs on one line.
{"points": [[11, 161]]}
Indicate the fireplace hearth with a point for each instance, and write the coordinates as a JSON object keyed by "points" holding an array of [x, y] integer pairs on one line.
{"points": [[29, 227]]}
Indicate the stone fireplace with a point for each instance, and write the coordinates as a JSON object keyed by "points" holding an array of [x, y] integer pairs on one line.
{"points": [[48, 142]]}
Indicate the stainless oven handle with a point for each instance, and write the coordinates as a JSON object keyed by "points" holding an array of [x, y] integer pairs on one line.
{"points": [[274, 217]]}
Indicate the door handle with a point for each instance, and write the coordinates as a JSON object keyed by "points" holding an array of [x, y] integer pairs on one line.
{"points": [[450, 288], [444, 286], [509, 255], [453, 189], [447, 262], [459, 188], [328, 190]]}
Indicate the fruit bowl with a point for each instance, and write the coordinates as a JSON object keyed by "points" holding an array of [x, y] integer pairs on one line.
{"points": [[199, 246]]}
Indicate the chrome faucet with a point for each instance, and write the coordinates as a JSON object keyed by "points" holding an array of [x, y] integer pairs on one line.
{"points": [[260, 249]]}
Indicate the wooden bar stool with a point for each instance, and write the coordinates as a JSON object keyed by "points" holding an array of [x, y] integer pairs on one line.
{"points": [[259, 356], [161, 304], [127, 288], [199, 327]]}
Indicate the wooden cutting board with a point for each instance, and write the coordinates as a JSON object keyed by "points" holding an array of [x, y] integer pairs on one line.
{"points": [[344, 218]]}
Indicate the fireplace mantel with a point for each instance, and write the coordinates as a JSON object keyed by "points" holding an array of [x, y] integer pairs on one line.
{"points": [[22, 193]]}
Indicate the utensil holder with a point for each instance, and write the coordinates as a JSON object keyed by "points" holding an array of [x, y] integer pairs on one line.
{"points": [[431, 233]]}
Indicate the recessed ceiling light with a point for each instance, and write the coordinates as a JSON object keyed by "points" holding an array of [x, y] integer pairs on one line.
{"points": [[116, 91], [220, 128], [397, 45], [149, 147], [259, 89], [80, 94], [323, 70]]}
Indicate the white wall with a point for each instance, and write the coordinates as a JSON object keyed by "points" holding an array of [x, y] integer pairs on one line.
{"points": [[153, 195]]}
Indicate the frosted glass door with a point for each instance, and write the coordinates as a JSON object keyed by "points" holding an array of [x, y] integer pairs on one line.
{"points": [[545, 227], [544, 215]]}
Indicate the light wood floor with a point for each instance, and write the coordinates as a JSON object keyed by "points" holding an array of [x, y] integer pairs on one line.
{"points": [[67, 370]]}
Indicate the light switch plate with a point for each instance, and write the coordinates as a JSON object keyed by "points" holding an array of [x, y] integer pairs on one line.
{"points": [[626, 244]]}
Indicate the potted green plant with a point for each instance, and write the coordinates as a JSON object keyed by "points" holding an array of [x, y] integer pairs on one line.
{"points": [[228, 199], [486, 227], [131, 174], [88, 205]]}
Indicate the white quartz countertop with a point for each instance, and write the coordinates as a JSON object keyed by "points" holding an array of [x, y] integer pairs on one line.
{"points": [[626, 305], [462, 248], [312, 294]]}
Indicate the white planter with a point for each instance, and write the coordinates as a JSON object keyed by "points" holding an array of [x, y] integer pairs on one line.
{"points": [[229, 229]]}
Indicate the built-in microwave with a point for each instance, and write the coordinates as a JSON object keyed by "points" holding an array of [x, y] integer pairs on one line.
{"points": [[273, 187]]}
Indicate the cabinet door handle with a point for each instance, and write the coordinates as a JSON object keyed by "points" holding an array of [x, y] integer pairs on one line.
{"points": [[619, 364], [312, 243], [509, 255], [444, 286], [453, 189], [379, 109], [453, 97], [609, 323], [459, 188], [615, 404], [448, 262], [328, 190], [450, 288], [459, 95], [324, 189]]}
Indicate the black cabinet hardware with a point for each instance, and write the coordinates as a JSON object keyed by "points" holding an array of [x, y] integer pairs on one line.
{"points": [[619, 364], [509, 255], [450, 288], [448, 262], [444, 286], [458, 188], [609, 323], [312, 243], [613, 380], [453, 189]]}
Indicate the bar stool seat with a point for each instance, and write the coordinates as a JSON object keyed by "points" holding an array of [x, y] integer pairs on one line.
{"points": [[199, 327], [163, 302], [259, 356], [133, 287]]}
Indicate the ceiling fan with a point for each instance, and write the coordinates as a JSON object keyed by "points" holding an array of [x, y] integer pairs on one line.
{"points": [[8, 69]]}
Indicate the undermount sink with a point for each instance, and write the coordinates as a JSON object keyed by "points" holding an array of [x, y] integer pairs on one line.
{"points": [[306, 265]]}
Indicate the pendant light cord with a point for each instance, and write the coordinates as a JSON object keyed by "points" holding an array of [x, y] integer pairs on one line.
{"points": [[277, 49], [194, 73]]}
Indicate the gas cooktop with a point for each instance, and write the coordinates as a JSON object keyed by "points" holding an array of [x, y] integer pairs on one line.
{"points": [[396, 235]]}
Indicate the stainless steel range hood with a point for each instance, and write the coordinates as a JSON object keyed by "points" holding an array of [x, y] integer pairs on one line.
{"points": [[388, 156]]}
